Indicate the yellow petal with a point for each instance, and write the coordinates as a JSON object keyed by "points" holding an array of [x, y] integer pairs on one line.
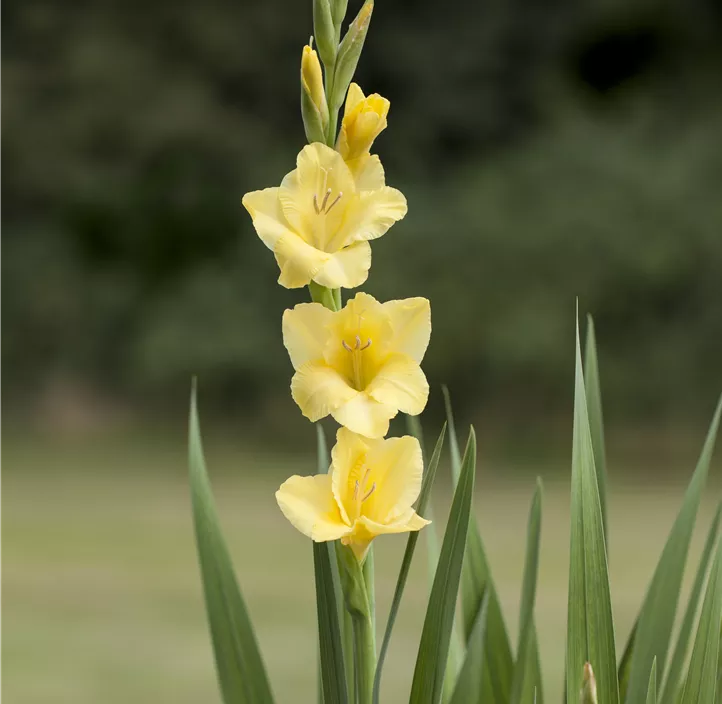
{"points": [[365, 416], [411, 521], [372, 213], [299, 262], [396, 468], [347, 268], [367, 172], [411, 323], [347, 465], [319, 390], [318, 169], [308, 503], [265, 210], [364, 119], [365, 530], [353, 97], [400, 383], [305, 329]]}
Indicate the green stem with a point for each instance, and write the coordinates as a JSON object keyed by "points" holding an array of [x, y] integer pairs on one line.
{"points": [[368, 572], [327, 297], [364, 656]]}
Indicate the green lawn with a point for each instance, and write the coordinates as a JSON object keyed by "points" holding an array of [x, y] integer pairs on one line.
{"points": [[102, 600]]}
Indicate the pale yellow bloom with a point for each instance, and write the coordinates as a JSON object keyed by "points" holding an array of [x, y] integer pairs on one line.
{"points": [[312, 80], [369, 490], [318, 223], [363, 120], [360, 364]]}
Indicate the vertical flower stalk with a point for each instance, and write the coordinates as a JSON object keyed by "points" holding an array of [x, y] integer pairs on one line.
{"points": [[358, 362]]}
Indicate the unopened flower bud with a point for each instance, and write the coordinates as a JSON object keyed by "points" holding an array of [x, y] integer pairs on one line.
{"points": [[325, 32], [338, 11], [314, 108], [588, 695], [349, 52]]}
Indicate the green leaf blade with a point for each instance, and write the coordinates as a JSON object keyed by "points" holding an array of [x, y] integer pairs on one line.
{"points": [[334, 656], [674, 680], [527, 677], [656, 618], [596, 419], [421, 508], [652, 685], [590, 628], [241, 673], [468, 686], [476, 580], [436, 634], [701, 683]]}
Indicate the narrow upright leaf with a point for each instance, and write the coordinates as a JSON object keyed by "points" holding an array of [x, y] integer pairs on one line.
{"points": [[421, 508], [476, 580], [590, 629], [468, 686], [652, 685], [335, 649], [431, 660], [674, 680], [656, 618], [433, 548], [527, 679], [241, 672], [596, 421], [701, 683]]}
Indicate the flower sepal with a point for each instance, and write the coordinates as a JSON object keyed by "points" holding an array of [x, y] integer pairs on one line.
{"points": [[353, 586]]}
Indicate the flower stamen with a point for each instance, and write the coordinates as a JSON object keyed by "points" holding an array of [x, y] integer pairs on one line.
{"points": [[369, 492], [322, 209]]}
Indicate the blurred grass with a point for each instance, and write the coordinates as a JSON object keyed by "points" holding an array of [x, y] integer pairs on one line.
{"points": [[102, 599]]}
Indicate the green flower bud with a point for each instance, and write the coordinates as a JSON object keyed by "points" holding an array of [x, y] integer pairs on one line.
{"points": [[349, 52], [338, 11], [325, 32]]}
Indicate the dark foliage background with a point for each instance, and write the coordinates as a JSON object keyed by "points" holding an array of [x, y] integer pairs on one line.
{"points": [[548, 150]]}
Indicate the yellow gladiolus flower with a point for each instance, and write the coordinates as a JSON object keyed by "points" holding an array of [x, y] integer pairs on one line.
{"points": [[369, 491], [319, 221], [363, 120], [360, 364]]}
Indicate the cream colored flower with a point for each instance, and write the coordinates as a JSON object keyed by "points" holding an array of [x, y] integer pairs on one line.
{"points": [[369, 490], [360, 364], [319, 221]]}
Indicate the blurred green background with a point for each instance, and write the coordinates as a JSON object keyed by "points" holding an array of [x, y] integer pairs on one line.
{"points": [[548, 150]]}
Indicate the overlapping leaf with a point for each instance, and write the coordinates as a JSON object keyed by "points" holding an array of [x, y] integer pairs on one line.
{"points": [[476, 580], [421, 508], [656, 618], [436, 633]]}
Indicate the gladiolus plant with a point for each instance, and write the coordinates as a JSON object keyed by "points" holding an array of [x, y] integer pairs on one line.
{"points": [[359, 361]]}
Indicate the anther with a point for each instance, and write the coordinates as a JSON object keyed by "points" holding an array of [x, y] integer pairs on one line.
{"points": [[369, 492], [338, 198], [358, 343], [367, 345], [355, 490], [315, 204], [345, 346], [325, 200]]}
